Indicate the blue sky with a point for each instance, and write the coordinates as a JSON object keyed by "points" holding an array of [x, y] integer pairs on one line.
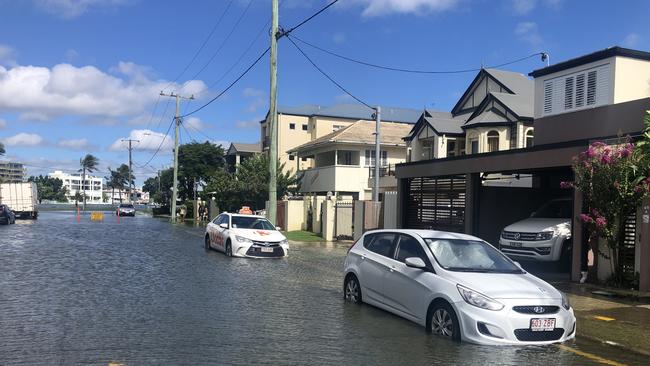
{"points": [[76, 76]]}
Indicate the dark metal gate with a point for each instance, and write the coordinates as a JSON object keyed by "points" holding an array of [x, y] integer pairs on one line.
{"points": [[435, 203], [626, 251], [344, 220]]}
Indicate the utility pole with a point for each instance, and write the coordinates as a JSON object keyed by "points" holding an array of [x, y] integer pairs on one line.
{"points": [[130, 169], [375, 189], [273, 119], [177, 120]]}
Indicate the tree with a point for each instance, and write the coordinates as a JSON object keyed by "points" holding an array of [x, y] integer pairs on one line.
{"points": [[162, 195], [49, 188], [614, 179], [123, 179], [2, 149], [196, 163], [88, 165]]}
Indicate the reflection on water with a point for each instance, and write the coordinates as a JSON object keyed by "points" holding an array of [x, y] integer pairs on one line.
{"points": [[143, 291]]}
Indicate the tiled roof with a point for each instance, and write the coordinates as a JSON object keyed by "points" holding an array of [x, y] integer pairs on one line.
{"points": [[361, 132], [243, 147]]}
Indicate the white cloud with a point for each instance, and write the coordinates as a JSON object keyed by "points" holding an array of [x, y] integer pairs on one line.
{"points": [[252, 92], [258, 99], [71, 55], [68, 9], [529, 33], [75, 144], [521, 7], [3, 123], [23, 139], [631, 40], [194, 123], [68, 90], [251, 123], [7, 55], [149, 140], [373, 8]]}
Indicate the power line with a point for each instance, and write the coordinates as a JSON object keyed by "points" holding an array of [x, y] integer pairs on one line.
{"points": [[229, 86], [188, 133], [286, 33], [159, 146], [205, 42], [290, 38], [153, 112], [232, 30], [413, 71]]}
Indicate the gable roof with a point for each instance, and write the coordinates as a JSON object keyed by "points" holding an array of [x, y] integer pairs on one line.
{"points": [[487, 118], [354, 111], [594, 56], [236, 147], [361, 132], [521, 105]]}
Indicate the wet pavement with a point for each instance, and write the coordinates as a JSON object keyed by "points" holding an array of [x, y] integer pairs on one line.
{"points": [[143, 291]]}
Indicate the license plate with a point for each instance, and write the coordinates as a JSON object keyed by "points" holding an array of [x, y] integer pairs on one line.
{"points": [[542, 324], [266, 250], [516, 244]]}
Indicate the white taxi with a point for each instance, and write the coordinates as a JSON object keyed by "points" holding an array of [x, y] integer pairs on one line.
{"points": [[240, 235]]}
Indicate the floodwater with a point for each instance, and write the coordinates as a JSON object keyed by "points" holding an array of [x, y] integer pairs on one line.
{"points": [[143, 291]]}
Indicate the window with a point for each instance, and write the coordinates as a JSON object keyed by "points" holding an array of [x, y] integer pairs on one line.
{"points": [[473, 146], [410, 247], [370, 158], [426, 149], [580, 90], [591, 88], [305, 127], [292, 126], [382, 244], [451, 148], [493, 141], [577, 90], [292, 157], [529, 138], [344, 157], [548, 97], [303, 159]]}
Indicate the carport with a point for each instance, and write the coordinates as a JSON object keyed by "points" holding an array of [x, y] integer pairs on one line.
{"points": [[457, 194]]}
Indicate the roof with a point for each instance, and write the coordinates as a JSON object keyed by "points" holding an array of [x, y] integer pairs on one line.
{"points": [[521, 105], [445, 125], [513, 82], [243, 147], [487, 118], [361, 132], [354, 111], [592, 57]]}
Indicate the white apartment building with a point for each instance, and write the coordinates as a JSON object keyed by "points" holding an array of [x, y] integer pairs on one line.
{"points": [[72, 182]]}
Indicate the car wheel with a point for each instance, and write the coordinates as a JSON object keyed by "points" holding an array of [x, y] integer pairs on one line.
{"points": [[442, 320], [352, 289], [207, 242], [228, 249]]}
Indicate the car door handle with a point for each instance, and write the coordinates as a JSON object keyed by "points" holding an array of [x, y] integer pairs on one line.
{"points": [[363, 257]]}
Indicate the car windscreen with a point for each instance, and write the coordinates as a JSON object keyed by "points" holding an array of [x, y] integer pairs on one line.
{"points": [[560, 209], [244, 222], [470, 256], [126, 206]]}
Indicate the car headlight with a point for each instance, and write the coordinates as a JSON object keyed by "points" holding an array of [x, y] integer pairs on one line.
{"points": [[476, 299], [544, 235], [565, 301], [284, 242], [241, 239]]}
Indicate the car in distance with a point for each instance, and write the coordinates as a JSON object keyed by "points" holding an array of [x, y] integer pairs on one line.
{"points": [[7, 216], [544, 236], [125, 209], [457, 286], [243, 235]]}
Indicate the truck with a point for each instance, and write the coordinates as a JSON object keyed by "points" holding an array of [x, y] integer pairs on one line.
{"points": [[22, 198]]}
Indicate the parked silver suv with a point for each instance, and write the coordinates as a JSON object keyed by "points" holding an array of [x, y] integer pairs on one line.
{"points": [[544, 236]]}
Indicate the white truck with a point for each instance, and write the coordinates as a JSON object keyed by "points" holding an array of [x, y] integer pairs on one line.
{"points": [[544, 236], [22, 198]]}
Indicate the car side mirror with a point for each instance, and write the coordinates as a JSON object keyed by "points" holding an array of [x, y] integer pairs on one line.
{"points": [[518, 264], [415, 262], [223, 225], [278, 228]]}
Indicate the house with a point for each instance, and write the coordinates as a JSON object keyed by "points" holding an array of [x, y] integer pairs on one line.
{"points": [[598, 96], [302, 124], [12, 172], [494, 113], [344, 160], [72, 182], [238, 152]]}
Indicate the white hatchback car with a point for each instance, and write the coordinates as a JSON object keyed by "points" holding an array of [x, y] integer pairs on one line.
{"points": [[457, 286], [240, 235]]}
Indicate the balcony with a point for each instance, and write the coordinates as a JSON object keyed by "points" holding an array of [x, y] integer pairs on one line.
{"points": [[334, 178], [387, 180]]}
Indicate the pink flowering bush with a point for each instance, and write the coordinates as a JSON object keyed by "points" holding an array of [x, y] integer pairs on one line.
{"points": [[614, 179]]}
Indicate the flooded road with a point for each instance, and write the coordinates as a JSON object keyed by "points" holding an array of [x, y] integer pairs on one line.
{"points": [[143, 291]]}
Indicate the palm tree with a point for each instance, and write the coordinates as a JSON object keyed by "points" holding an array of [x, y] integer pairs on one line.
{"points": [[112, 181], [2, 149], [88, 165]]}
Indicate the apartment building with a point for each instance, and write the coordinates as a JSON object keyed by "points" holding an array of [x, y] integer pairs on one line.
{"points": [[72, 182], [11, 172]]}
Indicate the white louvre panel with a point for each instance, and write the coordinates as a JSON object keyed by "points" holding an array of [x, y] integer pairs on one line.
{"points": [[583, 89]]}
